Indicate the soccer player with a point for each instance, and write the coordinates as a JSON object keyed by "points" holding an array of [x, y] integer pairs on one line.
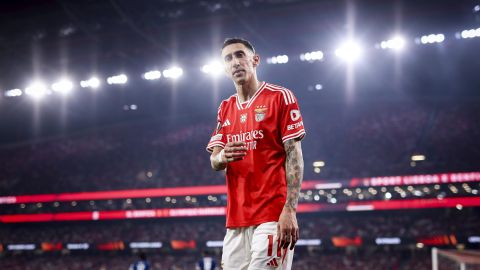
{"points": [[206, 263], [141, 264], [257, 142]]}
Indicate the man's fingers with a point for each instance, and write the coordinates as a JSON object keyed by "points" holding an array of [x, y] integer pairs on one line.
{"points": [[236, 154], [236, 144], [294, 238], [287, 237], [236, 148]]}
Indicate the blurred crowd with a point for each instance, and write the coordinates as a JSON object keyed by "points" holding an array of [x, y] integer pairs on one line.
{"points": [[407, 224], [356, 141], [364, 259]]}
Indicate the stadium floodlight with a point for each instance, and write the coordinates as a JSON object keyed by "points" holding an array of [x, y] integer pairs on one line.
{"points": [[93, 83], [471, 33], [213, 68], [173, 73], [63, 86], [476, 8], [279, 59], [312, 56], [214, 244], [396, 43], [13, 93], [418, 157], [117, 79], [349, 51], [36, 90], [152, 75], [432, 38], [318, 163]]}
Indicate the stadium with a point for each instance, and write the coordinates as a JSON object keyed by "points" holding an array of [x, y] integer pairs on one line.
{"points": [[107, 107]]}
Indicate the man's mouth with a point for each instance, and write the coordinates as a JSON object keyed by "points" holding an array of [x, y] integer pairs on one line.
{"points": [[238, 71]]}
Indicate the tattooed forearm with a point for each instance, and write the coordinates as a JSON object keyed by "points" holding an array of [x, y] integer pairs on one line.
{"points": [[294, 172]]}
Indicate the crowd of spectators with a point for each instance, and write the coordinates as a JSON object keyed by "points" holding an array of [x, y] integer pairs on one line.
{"points": [[407, 224], [364, 259], [358, 141]]}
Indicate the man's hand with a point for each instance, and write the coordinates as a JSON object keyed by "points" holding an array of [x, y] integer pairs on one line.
{"points": [[287, 228], [287, 223], [233, 151]]}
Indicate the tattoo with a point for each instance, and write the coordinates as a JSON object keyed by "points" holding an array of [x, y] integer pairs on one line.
{"points": [[294, 172]]}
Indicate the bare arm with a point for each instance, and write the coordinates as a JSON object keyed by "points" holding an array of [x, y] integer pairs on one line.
{"points": [[233, 151], [294, 172], [217, 160], [287, 228]]}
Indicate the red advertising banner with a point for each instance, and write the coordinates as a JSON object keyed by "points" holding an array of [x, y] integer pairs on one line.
{"points": [[441, 178], [179, 244], [422, 179], [220, 211], [346, 241], [441, 240], [414, 204], [119, 245], [51, 246]]}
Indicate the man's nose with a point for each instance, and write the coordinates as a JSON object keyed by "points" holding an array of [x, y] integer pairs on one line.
{"points": [[236, 62]]}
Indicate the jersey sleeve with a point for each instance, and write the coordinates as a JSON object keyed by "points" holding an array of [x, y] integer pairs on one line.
{"points": [[291, 121], [217, 138]]}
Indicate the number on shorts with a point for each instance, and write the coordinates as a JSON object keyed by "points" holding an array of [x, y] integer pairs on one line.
{"points": [[270, 246]]}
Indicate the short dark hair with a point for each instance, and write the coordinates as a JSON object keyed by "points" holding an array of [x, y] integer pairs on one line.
{"points": [[245, 42]]}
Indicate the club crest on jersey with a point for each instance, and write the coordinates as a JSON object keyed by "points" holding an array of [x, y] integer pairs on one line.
{"points": [[260, 112], [243, 118]]}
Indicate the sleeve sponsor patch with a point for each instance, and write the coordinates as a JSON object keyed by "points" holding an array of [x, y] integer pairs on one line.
{"points": [[217, 137], [295, 115]]}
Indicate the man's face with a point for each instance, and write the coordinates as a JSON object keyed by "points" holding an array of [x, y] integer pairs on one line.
{"points": [[239, 62]]}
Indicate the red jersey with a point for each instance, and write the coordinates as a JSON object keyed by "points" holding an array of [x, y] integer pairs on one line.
{"points": [[257, 185]]}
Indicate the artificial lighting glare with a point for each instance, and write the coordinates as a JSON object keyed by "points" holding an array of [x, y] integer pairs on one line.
{"points": [[471, 33], [349, 51], [117, 79], [396, 43], [152, 75], [173, 73], [432, 38], [13, 93], [418, 157], [317, 170], [279, 59], [318, 163], [93, 82], [311, 56], [213, 68], [63, 86], [318, 87], [36, 90]]}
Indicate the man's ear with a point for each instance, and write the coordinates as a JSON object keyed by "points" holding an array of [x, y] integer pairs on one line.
{"points": [[256, 60]]}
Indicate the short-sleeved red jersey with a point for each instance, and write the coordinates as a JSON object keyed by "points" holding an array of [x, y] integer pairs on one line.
{"points": [[256, 185]]}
